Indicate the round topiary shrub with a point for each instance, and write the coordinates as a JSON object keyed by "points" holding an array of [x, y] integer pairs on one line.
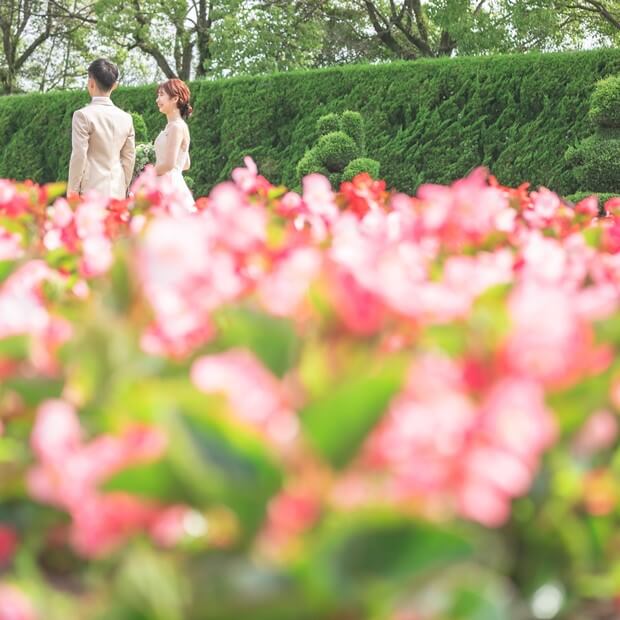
{"points": [[335, 150], [340, 147], [328, 123], [334, 178], [596, 159], [353, 125], [310, 163], [597, 163], [360, 165], [605, 103]]}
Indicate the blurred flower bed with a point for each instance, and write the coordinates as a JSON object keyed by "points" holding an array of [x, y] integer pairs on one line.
{"points": [[327, 405]]}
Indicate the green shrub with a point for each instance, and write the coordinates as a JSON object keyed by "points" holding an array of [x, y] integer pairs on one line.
{"points": [[605, 103], [336, 150], [328, 123], [140, 128], [335, 178], [425, 121], [359, 165], [310, 163], [596, 159], [597, 163], [341, 142], [353, 125], [602, 197]]}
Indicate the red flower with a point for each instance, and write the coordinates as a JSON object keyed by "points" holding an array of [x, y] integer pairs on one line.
{"points": [[363, 194]]}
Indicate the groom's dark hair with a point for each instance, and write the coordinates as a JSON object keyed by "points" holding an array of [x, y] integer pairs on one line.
{"points": [[104, 73]]}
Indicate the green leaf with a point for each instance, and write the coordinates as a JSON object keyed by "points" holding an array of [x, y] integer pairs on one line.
{"points": [[272, 340], [6, 268], [337, 423], [210, 456], [55, 190], [35, 390], [14, 347], [593, 236], [450, 338], [575, 404], [220, 466], [62, 259], [380, 547], [154, 480]]}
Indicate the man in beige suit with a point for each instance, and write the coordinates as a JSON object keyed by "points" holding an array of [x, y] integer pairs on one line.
{"points": [[103, 143]]}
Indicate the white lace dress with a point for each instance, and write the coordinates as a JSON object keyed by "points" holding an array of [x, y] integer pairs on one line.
{"points": [[165, 152]]}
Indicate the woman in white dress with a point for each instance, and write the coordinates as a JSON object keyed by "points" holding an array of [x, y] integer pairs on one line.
{"points": [[172, 144]]}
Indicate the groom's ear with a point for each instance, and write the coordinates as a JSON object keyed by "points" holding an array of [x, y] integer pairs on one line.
{"points": [[114, 86]]}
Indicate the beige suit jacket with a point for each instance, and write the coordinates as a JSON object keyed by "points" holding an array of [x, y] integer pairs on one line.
{"points": [[103, 150]]}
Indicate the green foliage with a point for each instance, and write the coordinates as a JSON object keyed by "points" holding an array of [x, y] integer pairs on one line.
{"points": [[341, 142], [605, 103], [602, 197], [595, 158], [352, 124], [359, 165], [140, 127], [309, 163], [356, 405], [328, 123], [426, 121], [336, 150], [598, 163]]}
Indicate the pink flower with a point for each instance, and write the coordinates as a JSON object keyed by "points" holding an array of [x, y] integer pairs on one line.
{"points": [[161, 194], [22, 309], [69, 471], [185, 277], [255, 395], [598, 433], [90, 216], [290, 205], [438, 446], [483, 503], [8, 544], [549, 340], [476, 274], [12, 202], [14, 605], [247, 179], [292, 511], [168, 527], [320, 206], [516, 418], [102, 523], [57, 431], [282, 289], [359, 309], [544, 206], [10, 245], [468, 210], [242, 226], [97, 256]]}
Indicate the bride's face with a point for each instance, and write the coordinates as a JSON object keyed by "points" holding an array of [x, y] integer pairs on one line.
{"points": [[165, 103]]}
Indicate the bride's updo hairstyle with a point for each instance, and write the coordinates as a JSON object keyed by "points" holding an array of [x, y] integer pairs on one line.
{"points": [[178, 88]]}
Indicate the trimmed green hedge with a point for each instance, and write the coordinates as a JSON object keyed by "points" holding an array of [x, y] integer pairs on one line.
{"points": [[430, 120]]}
